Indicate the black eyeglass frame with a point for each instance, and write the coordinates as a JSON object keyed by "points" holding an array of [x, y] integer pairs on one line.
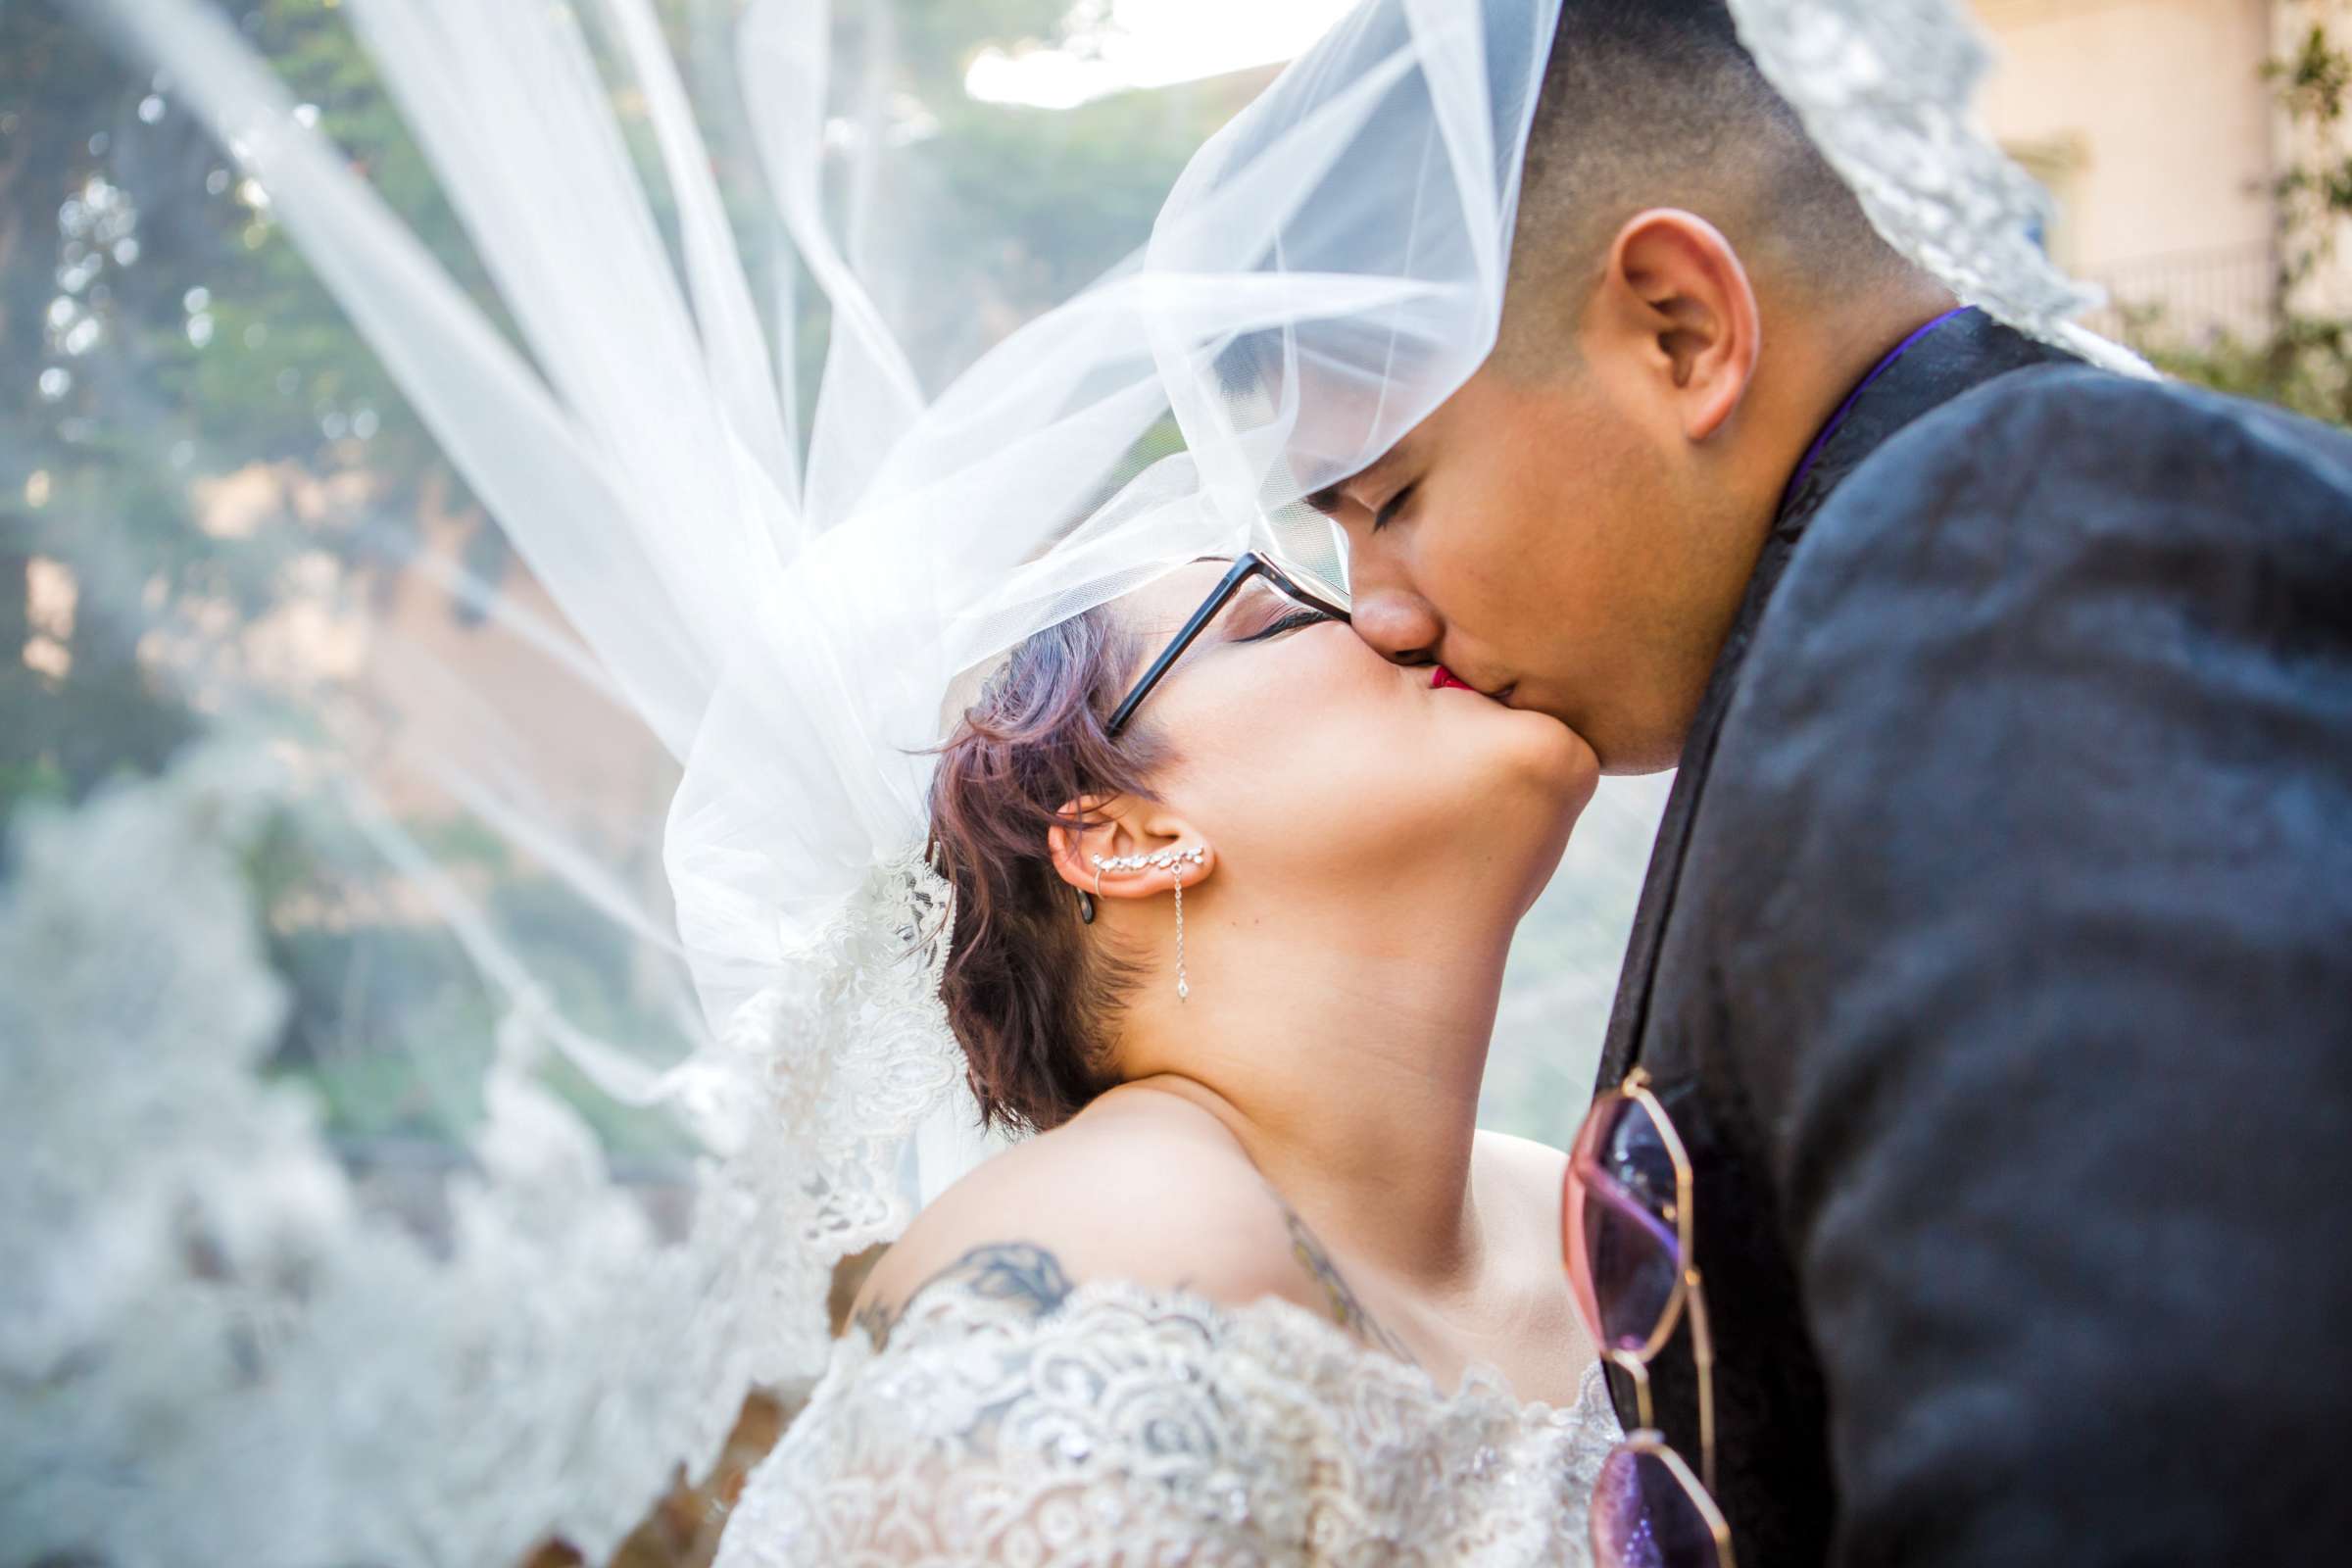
{"points": [[1245, 567]]}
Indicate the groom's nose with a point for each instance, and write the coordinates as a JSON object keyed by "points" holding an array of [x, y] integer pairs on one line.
{"points": [[1399, 624]]}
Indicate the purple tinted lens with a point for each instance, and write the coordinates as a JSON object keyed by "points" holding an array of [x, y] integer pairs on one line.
{"points": [[1644, 1516], [1631, 1242], [1634, 1154]]}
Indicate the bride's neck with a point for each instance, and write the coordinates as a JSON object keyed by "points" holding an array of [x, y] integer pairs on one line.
{"points": [[1345, 1054]]}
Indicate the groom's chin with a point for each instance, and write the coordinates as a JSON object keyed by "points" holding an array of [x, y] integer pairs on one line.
{"points": [[1622, 746]]}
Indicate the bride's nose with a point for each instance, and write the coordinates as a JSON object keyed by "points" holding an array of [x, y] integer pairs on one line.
{"points": [[1398, 625]]}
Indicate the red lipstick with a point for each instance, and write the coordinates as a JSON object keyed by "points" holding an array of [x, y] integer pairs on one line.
{"points": [[1445, 677]]}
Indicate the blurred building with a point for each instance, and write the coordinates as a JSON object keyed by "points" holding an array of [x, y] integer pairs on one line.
{"points": [[2154, 129]]}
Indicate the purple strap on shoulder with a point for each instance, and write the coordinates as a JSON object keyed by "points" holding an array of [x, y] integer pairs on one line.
{"points": [[1813, 455]]}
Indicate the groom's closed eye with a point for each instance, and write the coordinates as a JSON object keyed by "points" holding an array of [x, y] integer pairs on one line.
{"points": [[1388, 513]]}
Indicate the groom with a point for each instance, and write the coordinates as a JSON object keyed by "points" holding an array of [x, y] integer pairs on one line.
{"points": [[1995, 960]]}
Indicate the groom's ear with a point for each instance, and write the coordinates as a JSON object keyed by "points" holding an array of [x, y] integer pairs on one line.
{"points": [[1121, 827], [1678, 299]]}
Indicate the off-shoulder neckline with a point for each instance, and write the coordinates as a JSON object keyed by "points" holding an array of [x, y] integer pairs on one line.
{"points": [[1479, 1379]]}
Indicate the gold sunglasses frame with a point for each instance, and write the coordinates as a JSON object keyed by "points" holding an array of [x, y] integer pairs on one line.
{"points": [[1648, 1441], [1688, 1291]]}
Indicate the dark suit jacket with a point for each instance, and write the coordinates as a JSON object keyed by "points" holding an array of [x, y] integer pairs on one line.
{"points": [[1996, 962]]}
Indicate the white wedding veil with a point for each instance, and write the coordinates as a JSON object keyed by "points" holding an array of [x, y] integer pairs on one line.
{"points": [[728, 359]]}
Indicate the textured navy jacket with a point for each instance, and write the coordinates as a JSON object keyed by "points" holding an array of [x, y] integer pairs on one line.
{"points": [[1996, 962]]}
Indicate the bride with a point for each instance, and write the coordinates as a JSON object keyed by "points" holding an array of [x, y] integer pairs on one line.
{"points": [[1260, 1290]]}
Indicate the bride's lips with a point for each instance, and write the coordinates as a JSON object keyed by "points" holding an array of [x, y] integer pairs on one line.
{"points": [[1446, 678]]}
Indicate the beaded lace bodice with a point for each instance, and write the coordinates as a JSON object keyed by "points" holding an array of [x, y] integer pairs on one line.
{"points": [[1134, 1426]]}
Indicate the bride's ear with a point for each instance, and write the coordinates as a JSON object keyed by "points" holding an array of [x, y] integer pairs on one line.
{"points": [[1124, 827]]}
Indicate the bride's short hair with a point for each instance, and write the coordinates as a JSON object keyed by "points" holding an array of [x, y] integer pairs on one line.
{"points": [[1029, 994]]}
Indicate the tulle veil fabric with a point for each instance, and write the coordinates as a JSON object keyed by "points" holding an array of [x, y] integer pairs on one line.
{"points": [[789, 593]]}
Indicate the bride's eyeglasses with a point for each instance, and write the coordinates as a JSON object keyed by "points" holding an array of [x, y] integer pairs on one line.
{"points": [[1244, 568], [1627, 1220]]}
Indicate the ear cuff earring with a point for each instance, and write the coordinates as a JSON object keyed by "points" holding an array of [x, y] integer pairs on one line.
{"points": [[1168, 860]]}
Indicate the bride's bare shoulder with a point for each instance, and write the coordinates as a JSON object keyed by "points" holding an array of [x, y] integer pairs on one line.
{"points": [[1522, 1161], [1526, 1178], [1145, 1187]]}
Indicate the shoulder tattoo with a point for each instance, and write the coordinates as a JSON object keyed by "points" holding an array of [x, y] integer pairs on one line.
{"points": [[1020, 1273]]}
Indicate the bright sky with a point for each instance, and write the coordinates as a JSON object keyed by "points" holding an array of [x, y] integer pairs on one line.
{"points": [[1151, 43]]}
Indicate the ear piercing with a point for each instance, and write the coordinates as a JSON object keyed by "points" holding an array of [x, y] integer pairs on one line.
{"points": [[1157, 860], [1168, 860]]}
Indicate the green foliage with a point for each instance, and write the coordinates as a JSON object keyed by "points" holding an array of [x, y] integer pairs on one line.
{"points": [[198, 343], [2305, 363]]}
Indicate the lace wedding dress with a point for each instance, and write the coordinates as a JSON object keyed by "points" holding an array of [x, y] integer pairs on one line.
{"points": [[1121, 1425]]}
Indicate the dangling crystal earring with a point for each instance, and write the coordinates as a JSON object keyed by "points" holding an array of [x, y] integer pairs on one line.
{"points": [[1162, 861], [1184, 987]]}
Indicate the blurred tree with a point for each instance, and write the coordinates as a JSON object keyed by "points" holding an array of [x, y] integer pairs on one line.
{"points": [[2305, 363], [58, 98], [156, 328]]}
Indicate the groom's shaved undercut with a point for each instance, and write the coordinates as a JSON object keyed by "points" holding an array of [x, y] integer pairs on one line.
{"points": [[1655, 103]]}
